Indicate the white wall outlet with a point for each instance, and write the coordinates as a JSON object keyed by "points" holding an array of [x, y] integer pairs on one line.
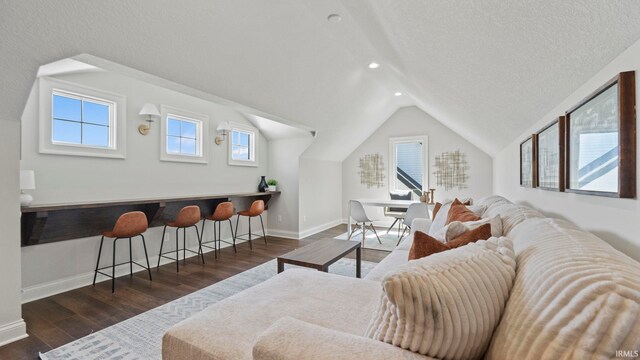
{"points": [[279, 218], [304, 218]]}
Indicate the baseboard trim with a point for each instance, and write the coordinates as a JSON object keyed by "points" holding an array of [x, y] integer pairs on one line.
{"points": [[40, 291], [316, 229], [12, 332], [283, 234]]}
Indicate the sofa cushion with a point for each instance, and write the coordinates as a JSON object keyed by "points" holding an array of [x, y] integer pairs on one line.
{"points": [[229, 328], [391, 262], [292, 339], [574, 296], [446, 305], [511, 214]]}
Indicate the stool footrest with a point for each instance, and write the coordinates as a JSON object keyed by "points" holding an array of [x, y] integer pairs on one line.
{"points": [[174, 251], [124, 263], [255, 236]]}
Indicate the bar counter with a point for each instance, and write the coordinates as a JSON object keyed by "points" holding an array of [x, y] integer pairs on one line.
{"points": [[49, 223]]}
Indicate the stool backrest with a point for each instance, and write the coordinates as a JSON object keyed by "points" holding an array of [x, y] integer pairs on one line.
{"points": [[130, 224], [257, 208], [223, 211], [188, 216]]}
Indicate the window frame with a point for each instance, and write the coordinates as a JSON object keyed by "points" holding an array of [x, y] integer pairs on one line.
{"points": [[202, 127], [625, 83], [48, 87], [254, 137], [392, 160]]}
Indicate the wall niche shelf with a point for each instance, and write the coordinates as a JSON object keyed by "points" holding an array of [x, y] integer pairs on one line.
{"points": [[42, 224]]}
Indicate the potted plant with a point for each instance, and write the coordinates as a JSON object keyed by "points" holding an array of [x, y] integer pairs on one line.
{"points": [[272, 184]]}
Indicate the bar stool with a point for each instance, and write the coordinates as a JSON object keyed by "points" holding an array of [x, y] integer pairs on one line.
{"points": [[188, 217], [256, 209], [223, 212], [128, 225]]}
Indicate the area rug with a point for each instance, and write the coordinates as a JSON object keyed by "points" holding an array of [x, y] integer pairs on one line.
{"points": [[389, 240], [141, 336]]}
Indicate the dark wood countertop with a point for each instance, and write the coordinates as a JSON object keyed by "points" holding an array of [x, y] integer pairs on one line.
{"points": [[97, 204], [45, 223]]}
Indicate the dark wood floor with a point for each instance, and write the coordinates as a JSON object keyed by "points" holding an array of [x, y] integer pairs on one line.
{"points": [[62, 318]]}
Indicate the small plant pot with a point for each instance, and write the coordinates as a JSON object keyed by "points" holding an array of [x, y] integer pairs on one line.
{"points": [[272, 188]]}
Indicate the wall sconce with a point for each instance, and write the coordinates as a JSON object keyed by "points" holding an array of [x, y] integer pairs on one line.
{"points": [[150, 110], [223, 129]]}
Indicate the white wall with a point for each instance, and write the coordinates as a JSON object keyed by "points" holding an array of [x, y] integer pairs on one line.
{"points": [[411, 121], [320, 195], [614, 220], [55, 267], [284, 163], [12, 327]]}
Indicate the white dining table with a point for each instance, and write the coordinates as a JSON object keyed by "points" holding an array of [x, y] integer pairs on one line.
{"points": [[401, 204]]}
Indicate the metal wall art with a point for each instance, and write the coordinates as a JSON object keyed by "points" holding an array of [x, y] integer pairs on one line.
{"points": [[451, 170], [372, 171]]}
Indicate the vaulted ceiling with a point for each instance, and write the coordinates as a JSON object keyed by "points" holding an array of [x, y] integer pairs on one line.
{"points": [[486, 69]]}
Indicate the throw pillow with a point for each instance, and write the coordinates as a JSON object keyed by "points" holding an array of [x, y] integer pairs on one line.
{"points": [[436, 208], [446, 305], [450, 231], [496, 225], [425, 245], [459, 212], [440, 218]]}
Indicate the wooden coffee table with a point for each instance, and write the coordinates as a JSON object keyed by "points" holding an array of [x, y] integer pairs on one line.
{"points": [[322, 253]]}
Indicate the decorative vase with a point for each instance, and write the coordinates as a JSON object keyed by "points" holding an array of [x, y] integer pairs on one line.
{"points": [[262, 187], [424, 197]]}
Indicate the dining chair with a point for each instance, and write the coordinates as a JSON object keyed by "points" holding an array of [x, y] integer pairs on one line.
{"points": [[360, 217], [397, 213], [417, 210]]}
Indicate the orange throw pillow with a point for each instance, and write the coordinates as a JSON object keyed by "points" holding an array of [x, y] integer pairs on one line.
{"points": [[480, 233], [425, 245], [459, 212]]}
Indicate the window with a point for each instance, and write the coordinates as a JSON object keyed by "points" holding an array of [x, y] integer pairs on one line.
{"points": [[80, 120], [183, 133], [243, 143], [240, 145], [77, 120], [182, 136], [408, 164]]}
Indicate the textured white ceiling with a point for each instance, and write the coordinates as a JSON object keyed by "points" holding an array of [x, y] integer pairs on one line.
{"points": [[484, 68]]}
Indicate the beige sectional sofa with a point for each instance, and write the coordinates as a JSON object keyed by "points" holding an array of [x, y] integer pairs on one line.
{"points": [[574, 297]]}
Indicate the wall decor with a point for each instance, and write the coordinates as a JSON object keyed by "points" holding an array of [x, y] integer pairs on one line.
{"points": [[601, 141], [550, 159], [451, 170], [528, 162], [372, 170]]}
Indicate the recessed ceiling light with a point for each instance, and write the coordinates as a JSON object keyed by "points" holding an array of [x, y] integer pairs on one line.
{"points": [[398, 93], [374, 65], [334, 18]]}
